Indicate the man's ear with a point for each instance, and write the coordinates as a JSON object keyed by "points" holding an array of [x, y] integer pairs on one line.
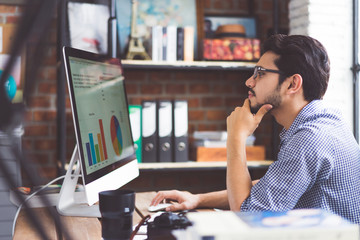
{"points": [[295, 83]]}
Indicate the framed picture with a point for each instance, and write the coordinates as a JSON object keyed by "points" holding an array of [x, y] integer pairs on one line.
{"points": [[211, 23], [179, 13], [87, 32]]}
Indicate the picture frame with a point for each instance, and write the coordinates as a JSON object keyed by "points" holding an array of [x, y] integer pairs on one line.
{"points": [[151, 13], [86, 32]]}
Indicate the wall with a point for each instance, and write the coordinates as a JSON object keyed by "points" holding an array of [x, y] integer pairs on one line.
{"points": [[331, 23], [211, 94]]}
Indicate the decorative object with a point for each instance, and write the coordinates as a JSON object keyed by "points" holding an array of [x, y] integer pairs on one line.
{"points": [[242, 49], [136, 47], [211, 24], [230, 39]]}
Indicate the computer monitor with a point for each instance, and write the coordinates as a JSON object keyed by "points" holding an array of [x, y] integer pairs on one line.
{"points": [[105, 150]]}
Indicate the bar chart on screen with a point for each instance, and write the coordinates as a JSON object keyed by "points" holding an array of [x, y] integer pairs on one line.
{"points": [[96, 152]]}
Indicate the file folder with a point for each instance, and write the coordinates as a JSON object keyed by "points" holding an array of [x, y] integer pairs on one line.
{"points": [[180, 137], [165, 131], [135, 122], [149, 131]]}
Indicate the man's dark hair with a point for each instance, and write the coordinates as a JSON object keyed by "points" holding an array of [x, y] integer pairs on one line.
{"points": [[301, 55]]}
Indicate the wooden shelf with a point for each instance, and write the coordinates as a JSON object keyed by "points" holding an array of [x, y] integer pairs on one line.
{"points": [[175, 166], [194, 65]]}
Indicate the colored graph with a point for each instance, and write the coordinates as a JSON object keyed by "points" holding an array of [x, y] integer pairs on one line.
{"points": [[116, 136], [96, 152]]}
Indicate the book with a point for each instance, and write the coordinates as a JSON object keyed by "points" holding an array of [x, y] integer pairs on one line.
{"points": [[164, 43], [210, 135], [180, 44], [216, 139], [188, 43], [156, 46], [299, 224], [171, 33]]}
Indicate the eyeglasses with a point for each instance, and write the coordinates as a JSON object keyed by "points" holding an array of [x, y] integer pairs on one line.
{"points": [[258, 69]]}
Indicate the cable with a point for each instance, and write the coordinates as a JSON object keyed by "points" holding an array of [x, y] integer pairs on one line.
{"points": [[29, 197], [143, 221]]}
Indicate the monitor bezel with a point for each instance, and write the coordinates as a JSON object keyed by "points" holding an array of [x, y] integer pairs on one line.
{"points": [[77, 53]]}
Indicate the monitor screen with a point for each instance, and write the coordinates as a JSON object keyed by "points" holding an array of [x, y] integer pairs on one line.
{"points": [[101, 119]]}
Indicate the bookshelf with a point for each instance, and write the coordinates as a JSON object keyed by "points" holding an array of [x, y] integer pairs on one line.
{"points": [[241, 67], [193, 65], [190, 165]]}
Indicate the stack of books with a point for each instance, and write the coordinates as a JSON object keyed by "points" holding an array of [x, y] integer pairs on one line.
{"points": [[172, 43], [216, 139], [211, 146]]}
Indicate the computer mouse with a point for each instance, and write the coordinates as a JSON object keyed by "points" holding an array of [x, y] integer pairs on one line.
{"points": [[159, 207]]}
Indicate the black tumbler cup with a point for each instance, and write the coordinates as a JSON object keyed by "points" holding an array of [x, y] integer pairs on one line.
{"points": [[116, 208]]}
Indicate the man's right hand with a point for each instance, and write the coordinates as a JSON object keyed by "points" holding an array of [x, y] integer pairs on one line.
{"points": [[183, 200]]}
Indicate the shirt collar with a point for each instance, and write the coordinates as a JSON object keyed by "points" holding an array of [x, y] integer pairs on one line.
{"points": [[303, 115]]}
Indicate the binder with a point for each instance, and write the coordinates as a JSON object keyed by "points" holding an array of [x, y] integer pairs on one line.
{"points": [[165, 131], [149, 131], [135, 112], [180, 126]]}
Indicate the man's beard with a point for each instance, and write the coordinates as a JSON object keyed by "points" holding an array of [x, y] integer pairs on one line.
{"points": [[274, 99]]}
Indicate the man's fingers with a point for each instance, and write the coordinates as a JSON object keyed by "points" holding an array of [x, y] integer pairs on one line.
{"points": [[176, 207], [246, 103], [262, 111], [160, 196], [165, 195]]}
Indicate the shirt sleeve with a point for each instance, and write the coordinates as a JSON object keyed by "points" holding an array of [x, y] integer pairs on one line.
{"points": [[300, 163]]}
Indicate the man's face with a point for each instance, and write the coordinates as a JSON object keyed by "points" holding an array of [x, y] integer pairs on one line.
{"points": [[265, 88]]}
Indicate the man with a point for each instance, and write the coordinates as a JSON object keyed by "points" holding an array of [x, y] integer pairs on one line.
{"points": [[318, 164]]}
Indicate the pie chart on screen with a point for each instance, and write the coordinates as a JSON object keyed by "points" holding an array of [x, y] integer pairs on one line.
{"points": [[116, 136]]}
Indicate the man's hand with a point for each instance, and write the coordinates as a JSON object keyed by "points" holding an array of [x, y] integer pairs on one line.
{"points": [[184, 200], [242, 123]]}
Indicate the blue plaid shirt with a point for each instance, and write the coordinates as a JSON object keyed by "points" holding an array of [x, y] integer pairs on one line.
{"points": [[318, 166]]}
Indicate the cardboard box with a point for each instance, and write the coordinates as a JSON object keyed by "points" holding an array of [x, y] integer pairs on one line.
{"points": [[7, 37], [241, 49], [210, 154]]}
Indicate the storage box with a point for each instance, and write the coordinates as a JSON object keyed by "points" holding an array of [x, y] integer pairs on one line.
{"points": [[240, 49], [210, 154]]}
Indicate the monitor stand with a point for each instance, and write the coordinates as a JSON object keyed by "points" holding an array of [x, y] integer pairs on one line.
{"points": [[72, 203]]}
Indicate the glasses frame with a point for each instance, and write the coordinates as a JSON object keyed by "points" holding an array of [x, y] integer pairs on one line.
{"points": [[258, 68]]}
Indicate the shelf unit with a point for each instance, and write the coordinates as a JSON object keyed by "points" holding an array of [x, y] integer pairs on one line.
{"points": [[189, 166], [137, 65], [193, 65]]}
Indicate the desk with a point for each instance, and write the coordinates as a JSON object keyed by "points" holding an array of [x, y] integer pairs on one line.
{"points": [[79, 227], [90, 228]]}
